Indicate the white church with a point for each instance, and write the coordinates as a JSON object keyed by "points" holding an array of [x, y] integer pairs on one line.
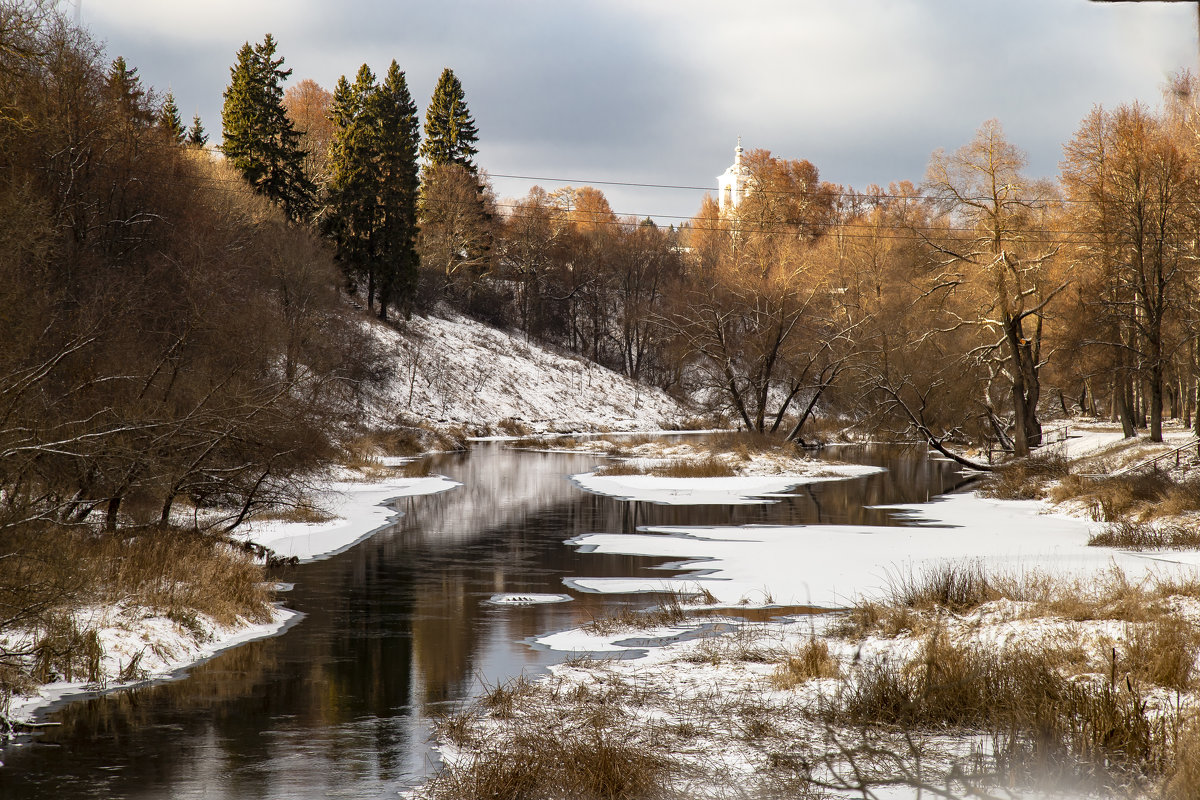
{"points": [[733, 185]]}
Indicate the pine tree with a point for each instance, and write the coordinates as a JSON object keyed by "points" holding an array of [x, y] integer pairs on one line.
{"points": [[393, 113], [169, 121], [124, 85], [259, 138], [124, 89], [196, 136], [354, 181], [450, 132]]}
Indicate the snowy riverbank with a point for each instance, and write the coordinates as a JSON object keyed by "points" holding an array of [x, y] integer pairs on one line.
{"points": [[360, 508], [698, 689], [138, 646]]}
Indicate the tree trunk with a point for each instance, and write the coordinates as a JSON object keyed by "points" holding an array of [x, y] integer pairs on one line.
{"points": [[1121, 408], [110, 520]]}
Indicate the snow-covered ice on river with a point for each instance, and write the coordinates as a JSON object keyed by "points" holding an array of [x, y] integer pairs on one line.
{"points": [[833, 565], [736, 490]]}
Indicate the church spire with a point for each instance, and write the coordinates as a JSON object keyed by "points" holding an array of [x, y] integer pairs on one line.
{"points": [[734, 183]]}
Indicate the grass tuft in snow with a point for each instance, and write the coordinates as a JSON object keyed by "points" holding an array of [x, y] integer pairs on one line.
{"points": [[1129, 534], [668, 612], [583, 747], [811, 660]]}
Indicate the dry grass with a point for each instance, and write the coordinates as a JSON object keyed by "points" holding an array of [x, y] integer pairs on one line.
{"points": [[811, 660], [1026, 478], [955, 586], [1183, 779], [512, 427], [1139, 496], [667, 613], [1021, 697], [303, 512], [584, 747], [49, 572], [175, 573], [915, 603], [703, 467], [746, 644], [1162, 652], [1130, 534], [706, 467], [914, 600]]}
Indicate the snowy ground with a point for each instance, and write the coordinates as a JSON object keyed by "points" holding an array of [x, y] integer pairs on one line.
{"points": [[454, 371], [832, 566], [669, 678], [1095, 442]]}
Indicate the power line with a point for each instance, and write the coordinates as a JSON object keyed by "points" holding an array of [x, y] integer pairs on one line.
{"points": [[842, 194]]}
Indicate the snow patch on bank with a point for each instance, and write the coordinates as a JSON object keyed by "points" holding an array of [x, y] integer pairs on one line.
{"points": [[361, 509], [142, 647]]}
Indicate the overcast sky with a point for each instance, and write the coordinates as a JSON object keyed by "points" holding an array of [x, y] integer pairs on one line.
{"points": [[657, 91]]}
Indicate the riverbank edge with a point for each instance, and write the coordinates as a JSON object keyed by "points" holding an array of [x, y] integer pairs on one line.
{"points": [[591, 669], [200, 645]]}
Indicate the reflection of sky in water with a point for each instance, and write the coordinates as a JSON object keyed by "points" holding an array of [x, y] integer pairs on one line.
{"points": [[397, 629]]}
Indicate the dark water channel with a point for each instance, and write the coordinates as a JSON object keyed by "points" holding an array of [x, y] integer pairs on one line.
{"points": [[395, 630]]}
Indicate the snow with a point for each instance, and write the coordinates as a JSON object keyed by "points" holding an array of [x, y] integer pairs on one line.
{"points": [[832, 566], [1085, 440], [735, 490], [527, 599], [145, 647], [362, 509], [454, 371]]}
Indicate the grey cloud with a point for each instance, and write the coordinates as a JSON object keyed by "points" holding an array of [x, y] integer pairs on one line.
{"points": [[657, 92]]}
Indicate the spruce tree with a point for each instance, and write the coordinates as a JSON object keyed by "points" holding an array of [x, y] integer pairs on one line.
{"points": [[259, 138], [169, 121], [196, 135], [354, 181], [124, 89], [393, 113], [450, 132]]}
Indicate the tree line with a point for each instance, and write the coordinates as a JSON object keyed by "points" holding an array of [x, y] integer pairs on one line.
{"points": [[171, 342], [966, 308]]}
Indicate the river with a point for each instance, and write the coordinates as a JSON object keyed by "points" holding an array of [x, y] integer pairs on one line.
{"points": [[397, 630]]}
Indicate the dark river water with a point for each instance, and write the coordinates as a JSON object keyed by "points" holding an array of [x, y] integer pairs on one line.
{"points": [[397, 630]]}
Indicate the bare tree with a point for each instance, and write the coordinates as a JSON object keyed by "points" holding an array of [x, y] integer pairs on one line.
{"points": [[996, 260]]}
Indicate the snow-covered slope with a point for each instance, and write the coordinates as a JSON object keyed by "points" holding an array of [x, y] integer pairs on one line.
{"points": [[455, 371]]}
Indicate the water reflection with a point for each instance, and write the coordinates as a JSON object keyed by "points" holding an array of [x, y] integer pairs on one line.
{"points": [[396, 629]]}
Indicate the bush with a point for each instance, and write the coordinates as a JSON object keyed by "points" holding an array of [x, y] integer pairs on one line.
{"points": [[1026, 478]]}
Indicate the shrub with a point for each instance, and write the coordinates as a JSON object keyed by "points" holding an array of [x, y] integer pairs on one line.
{"points": [[1026, 478]]}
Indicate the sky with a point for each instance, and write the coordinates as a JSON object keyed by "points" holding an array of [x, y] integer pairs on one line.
{"points": [[658, 91]]}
